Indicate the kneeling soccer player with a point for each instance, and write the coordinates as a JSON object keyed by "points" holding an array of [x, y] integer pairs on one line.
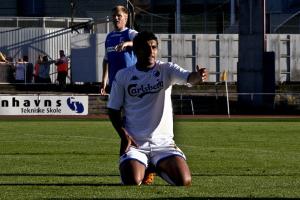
{"points": [[145, 126]]}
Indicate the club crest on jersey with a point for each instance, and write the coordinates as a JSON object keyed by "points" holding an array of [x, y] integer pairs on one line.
{"points": [[134, 78], [156, 73], [140, 91]]}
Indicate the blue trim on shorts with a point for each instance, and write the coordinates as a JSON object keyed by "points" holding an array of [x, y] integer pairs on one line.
{"points": [[132, 159]]}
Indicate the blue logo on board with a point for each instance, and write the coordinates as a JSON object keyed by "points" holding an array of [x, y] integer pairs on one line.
{"points": [[75, 105]]}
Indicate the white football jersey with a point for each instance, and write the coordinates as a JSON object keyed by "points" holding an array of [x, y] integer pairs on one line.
{"points": [[146, 99]]}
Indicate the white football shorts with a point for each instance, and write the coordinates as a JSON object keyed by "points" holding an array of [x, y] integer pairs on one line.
{"points": [[153, 154]]}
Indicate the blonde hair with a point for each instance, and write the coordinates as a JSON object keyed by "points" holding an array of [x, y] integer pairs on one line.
{"points": [[120, 8]]}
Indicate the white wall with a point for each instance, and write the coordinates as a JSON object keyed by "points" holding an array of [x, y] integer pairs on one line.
{"points": [[215, 52]]}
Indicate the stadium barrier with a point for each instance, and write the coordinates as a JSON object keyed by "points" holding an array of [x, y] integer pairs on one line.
{"points": [[183, 104]]}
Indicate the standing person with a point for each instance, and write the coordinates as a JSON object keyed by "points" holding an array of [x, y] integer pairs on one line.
{"points": [[36, 68], [11, 69], [28, 70], [44, 69], [62, 69], [20, 71], [144, 92], [118, 48]]}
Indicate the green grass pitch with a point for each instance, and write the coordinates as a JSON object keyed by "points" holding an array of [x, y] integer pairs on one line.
{"points": [[78, 159]]}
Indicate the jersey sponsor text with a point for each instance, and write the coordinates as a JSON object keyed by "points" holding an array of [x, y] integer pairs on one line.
{"points": [[139, 91]]}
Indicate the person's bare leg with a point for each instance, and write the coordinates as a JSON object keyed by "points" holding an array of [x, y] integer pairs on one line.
{"points": [[132, 172], [175, 171]]}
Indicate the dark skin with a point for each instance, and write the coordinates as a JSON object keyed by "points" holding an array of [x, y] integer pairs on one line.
{"points": [[175, 167]]}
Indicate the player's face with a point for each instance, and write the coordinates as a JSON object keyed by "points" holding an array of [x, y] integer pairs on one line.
{"points": [[119, 20], [148, 55]]}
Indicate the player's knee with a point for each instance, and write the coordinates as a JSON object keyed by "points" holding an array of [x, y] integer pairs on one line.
{"points": [[187, 181], [184, 181], [178, 180], [136, 181], [131, 181]]}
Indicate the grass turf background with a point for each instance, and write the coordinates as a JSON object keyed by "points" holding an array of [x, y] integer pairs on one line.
{"points": [[78, 159]]}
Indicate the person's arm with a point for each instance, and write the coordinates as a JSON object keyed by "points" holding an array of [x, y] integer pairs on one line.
{"points": [[61, 60], [116, 120], [49, 62], [197, 77], [122, 46], [104, 77], [58, 62]]}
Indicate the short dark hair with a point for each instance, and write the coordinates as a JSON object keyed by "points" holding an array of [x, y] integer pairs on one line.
{"points": [[141, 39], [25, 58], [45, 58]]}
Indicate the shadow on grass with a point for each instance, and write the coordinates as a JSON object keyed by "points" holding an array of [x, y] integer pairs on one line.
{"points": [[55, 175], [117, 175], [176, 198], [248, 175], [60, 184]]}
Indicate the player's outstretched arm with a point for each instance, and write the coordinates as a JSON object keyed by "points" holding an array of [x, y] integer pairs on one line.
{"points": [[199, 76], [116, 120]]}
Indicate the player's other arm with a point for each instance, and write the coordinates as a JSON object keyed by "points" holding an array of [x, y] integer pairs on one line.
{"points": [[198, 77], [58, 61], [116, 120], [104, 77], [122, 46]]}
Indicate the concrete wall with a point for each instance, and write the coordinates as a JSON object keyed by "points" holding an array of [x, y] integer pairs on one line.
{"points": [[220, 52]]}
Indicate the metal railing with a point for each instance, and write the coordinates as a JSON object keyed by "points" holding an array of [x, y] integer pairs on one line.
{"points": [[215, 103]]}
